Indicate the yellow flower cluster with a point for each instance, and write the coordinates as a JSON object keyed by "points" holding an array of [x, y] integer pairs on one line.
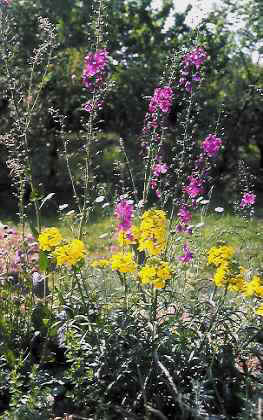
{"points": [[100, 263], [221, 254], [123, 240], [254, 287], [70, 254], [153, 232], [224, 275], [259, 310], [49, 238], [124, 263], [155, 272], [234, 282]]}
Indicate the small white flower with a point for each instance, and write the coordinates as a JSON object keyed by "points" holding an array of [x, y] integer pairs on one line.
{"points": [[199, 225], [219, 209], [63, 206], [140, 204], [100, 199]]}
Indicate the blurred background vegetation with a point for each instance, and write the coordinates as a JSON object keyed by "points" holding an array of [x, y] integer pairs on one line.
{"points": [[139, 42]]}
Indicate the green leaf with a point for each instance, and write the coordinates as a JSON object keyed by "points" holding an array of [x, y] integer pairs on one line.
{"points": [[34, 231], [43, 261], [45, 321]]}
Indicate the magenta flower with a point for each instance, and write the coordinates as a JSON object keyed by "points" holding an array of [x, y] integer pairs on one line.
{"points": [[211, 145], [95, 63], [187, 256], [91, 105], [195, 58], [184, 215], [94, 66], [160, 168], [195, 187], [123, 212], [153, 184], [247, 200], [188, 87], [196, 77], [162, 98]]}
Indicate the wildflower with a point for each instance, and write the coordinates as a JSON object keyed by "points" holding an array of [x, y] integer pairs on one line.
{"points": [[153, 184], [254, 287], [247, 200], [49, 238], [237, 283], [6, 2], [195, 187], [91, 105], [95, 63], [162, 98], [155, 272], [124, 211], [159, 168], [220, 255], [153, 232], [70, 254], [100, 263], [195, 58], [221, 275], [124, 263], [188, 86], [187, 254], [124, 238], [211, 145], [184, 215], [94, 66], [196, 77], [259, 310]]}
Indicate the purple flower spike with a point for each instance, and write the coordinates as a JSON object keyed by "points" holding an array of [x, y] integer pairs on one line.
{"points": [[196, 77], [211, 145], [94, 68], [188, 87], [162, 98], [247, 200], [195, 187], [187, 256], [159, 168], [123, 212], [184, 215]]}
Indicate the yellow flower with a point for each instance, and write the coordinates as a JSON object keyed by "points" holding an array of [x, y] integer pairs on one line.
{"points": [[219, 255], [155, 272], [49, 238], [221, 275], [71, 253], [259, 310], [101, 263], [124, 263], [153, 232], [122, 239], [147, 274], [135, 230], [254, 287], [237, 283]]}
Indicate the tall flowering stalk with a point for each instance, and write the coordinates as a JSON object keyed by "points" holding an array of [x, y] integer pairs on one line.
{"points": [[96, 85], [23, 102]]}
